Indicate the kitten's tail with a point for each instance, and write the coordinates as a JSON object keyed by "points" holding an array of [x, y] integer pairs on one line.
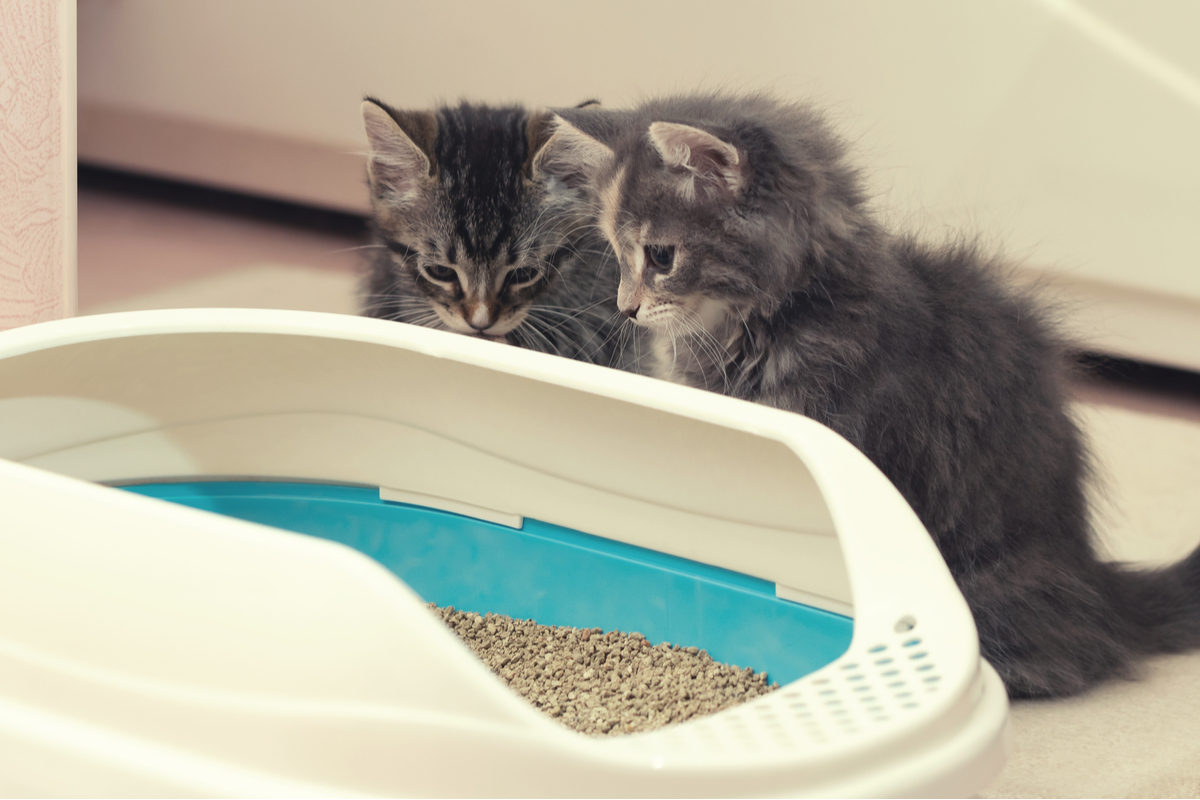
{"points": [[1163, 605]]}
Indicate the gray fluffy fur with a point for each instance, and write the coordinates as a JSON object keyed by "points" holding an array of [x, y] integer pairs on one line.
{"points": [[951, 382]]}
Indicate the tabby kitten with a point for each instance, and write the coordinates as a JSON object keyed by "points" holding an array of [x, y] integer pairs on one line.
{"points": [[470, 239], [747, 249]]}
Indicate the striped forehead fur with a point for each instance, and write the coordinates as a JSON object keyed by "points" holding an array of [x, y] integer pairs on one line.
{"points": [[480, 153]]}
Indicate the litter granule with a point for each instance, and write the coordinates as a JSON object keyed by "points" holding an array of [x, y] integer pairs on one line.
{"points": [[603, 683]]}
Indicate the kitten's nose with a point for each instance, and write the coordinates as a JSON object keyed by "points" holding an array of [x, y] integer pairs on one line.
{"points": [[631, 312], [480, 317]]}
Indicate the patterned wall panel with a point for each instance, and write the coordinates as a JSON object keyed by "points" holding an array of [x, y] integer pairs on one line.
{"points": [[37, 184]]}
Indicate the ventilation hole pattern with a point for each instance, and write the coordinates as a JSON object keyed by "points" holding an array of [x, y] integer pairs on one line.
{"points": [[877, 686]]}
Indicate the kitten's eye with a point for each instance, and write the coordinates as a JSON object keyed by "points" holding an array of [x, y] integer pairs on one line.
{"points": [[439, 273], [519, 276], [660, 257], [559, 257]]}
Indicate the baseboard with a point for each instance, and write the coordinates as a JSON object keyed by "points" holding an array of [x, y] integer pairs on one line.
{"points": [[209, 198], [1127, 373]]}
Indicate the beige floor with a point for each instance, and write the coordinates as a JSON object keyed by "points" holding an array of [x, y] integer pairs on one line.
{"points": [[129, 248], [1125, 739]]}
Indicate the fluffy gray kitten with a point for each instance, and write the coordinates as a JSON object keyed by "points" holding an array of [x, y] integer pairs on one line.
{"points": [[747, 248], [471, 238]]}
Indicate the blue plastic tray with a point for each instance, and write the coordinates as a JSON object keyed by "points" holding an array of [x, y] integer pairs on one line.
{"points": [[544, 572]]}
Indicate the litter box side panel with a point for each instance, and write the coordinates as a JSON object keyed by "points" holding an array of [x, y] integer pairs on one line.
{"points": [[123, 589]]}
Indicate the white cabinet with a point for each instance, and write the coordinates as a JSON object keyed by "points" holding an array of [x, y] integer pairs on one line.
{"points": [[1064, 132]]}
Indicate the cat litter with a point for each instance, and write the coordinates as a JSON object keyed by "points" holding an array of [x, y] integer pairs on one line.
{"points": [[158, 647], [603, 683]]}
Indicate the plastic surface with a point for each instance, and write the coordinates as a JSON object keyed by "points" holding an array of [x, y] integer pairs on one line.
{"points": [[544, 572], [146, 647]]}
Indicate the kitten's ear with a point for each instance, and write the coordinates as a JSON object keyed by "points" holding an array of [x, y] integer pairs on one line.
{"points": [[538, 129], [397, 165], [707, 163], [571, 156]]}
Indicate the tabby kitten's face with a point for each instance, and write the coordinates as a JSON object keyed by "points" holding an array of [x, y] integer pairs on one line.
{"points": [[473, 237]]}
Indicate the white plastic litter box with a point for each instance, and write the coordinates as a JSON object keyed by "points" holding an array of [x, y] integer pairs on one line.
{"points": [[149, 647]]}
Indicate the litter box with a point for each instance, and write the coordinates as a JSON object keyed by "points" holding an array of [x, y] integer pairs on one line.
{"points": [[358, 469]]}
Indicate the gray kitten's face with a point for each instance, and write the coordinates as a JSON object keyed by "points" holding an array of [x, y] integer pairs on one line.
{"points": [[675, 262], [687, 264], [474, 240]]}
